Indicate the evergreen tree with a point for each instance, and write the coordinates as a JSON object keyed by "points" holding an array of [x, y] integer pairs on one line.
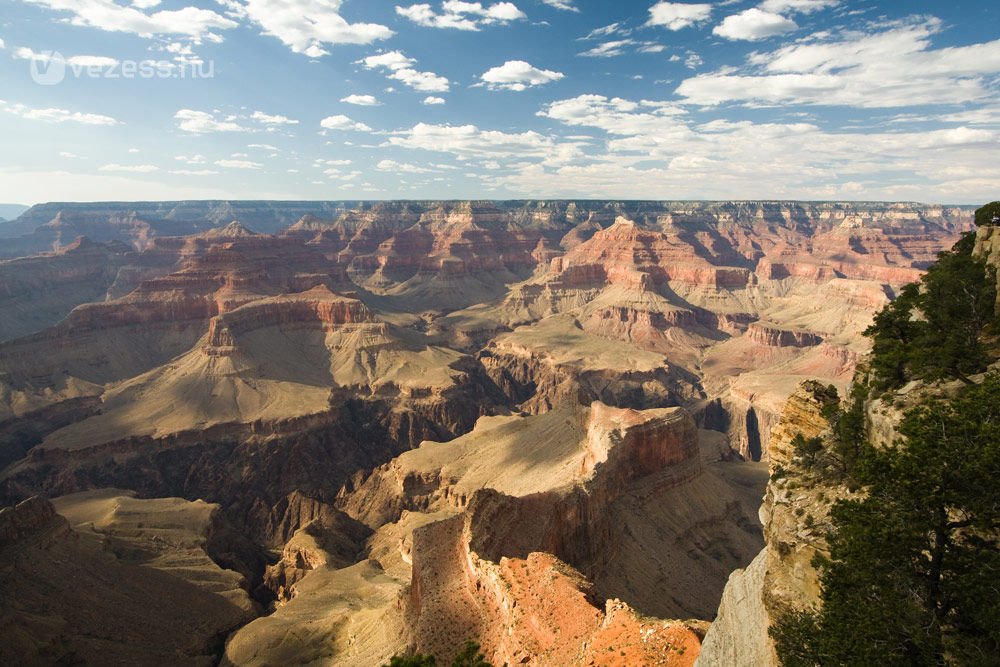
{"points": [[933, 330], [913, 569], [957, 302], [988, 214]]}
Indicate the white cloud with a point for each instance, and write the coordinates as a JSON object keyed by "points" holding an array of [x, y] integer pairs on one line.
{"points": [[517, 75], [238, 164], [606, 31], [194, 172], [109, 16], [401, 167], [341, 122], [53, 115], [461, 15], [609, 49], [84, 61], [619, 116], [67, 154], [801, 6], [133, 168], [619, 47], [655, 149], [361, 100], [468, 141], [894, 66], [201, 122], [754, 24], [307, 26], [263, 147], [400, 68], [562, 4], [275, 119], [431, 99], [191, 159], [2, 44], [678, 15]]}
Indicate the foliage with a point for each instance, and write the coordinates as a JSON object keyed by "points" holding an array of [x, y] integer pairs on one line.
{"points": [[469, 656], [807, 449], [988, 214], [415, 660], [914, 565], [933, 330]]}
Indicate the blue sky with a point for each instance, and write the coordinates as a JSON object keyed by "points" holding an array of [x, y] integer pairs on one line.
{"points": [[365, 99]]}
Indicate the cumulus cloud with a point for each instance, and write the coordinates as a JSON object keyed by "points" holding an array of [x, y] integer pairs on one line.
{"points": [[54, 115], [132, 168], [678, 15], [272, 119], [399, 67], [801, 6], [619, 116], [108, 15], [431, 100], [193, 172], [238, 164], [341, 122], [656, 149], [467, 141], [892, 66], [460, 15], [754, 24], [309, 26], [517, 75], [25, 53], [566, 5], [202, 122], [360, 100], [401, 167]]}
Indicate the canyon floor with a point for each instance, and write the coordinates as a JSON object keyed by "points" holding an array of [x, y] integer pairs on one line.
{"points": [[330, 433]]}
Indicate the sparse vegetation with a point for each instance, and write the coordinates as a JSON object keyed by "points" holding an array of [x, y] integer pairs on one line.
{"points": [[469, 656]]}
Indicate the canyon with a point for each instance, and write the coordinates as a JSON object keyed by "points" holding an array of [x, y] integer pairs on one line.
{"points": [[349, 430]]}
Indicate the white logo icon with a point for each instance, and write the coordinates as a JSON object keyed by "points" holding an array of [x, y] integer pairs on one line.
{"points": [[48, 68]]}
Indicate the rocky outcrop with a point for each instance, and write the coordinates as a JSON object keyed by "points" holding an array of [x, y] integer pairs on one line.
{"points": [[782, 577], [988, 246], [27, 517], [144, 595]]}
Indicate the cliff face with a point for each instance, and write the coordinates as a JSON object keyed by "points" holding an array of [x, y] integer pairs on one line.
{"points": [[132, 584], [988, 246], [550, 539], [781, 577]]}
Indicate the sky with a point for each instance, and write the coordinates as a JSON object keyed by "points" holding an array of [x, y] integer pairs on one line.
{"points": [[522, 99]]}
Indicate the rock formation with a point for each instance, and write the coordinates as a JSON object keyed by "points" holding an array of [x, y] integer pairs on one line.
{"points": [[782, 577], [132, 583], [540, 536]]}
